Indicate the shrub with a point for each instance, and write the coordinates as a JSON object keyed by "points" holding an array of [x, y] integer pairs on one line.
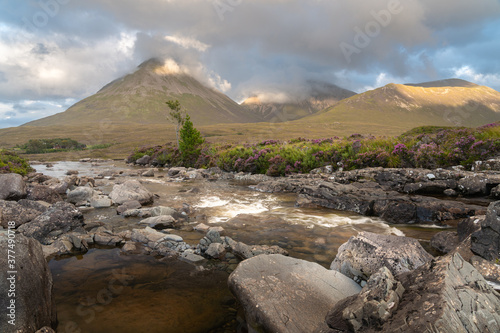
{"points": [[11, 163], [190, 142]]}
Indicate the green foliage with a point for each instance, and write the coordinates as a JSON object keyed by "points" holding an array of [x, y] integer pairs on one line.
{"points": [[11, 163], [190, 142], [432, 147], [41, 146], [100, 146]]}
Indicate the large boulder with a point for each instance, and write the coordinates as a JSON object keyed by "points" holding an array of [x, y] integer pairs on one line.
{"points": [[20, 212], [486, 242], [131, 190], [31, 308], [444, 295], [60, 218], [364, 254], [12, 187], [283, 294]]}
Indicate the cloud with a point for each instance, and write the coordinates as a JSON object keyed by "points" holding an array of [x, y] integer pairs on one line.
{"points": [[469, 74], [244, 47]]}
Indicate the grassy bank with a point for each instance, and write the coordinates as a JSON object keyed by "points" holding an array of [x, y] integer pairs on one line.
{"points": [[426, 147]]}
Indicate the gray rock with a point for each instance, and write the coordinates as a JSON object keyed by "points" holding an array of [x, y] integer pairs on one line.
{"points": [[100, 201], [72, 172], [45, 329], [371, 308], [364, 254], [34, 307], [445, 241], [486, 242], [495, 192], [245, 251], [176, 171], [80, 194], [106, 239], [20, 212], [282, 294], [12, 187], [128, 205], [172, 238], [60, 218], [468, 226], [159, 222], [444, 295], [450, 193], [129, 247], [43, 193], [131, 190], [149, 173], [216, 251], [143, 160], [191, 258], [488, 270]]}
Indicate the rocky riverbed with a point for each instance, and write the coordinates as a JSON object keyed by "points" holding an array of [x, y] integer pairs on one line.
{"points": [[202, 225]]}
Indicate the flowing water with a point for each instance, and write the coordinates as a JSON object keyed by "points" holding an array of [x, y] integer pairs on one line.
{"points": [[173, 296]]}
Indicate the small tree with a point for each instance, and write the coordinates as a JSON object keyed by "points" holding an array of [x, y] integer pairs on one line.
{"points": [[177, 117], [190, 142]]}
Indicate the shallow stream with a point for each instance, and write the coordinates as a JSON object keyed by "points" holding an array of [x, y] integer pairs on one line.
{"points": [[173, 296]]}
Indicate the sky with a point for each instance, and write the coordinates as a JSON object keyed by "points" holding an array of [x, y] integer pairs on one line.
{"points": [[54, 53]]}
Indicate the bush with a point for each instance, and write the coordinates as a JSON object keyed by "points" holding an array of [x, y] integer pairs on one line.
{"points": [[190, 142], [11, 163], [41, 146]]}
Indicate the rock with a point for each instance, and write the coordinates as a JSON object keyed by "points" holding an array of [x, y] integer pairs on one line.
{"points": [[216, 251], [72, 172], [20, 212], [201, 227], [495, 192], [489, 270], [45, 329], [43, 193], [172, 238], [159, 222], [364, 254], [60, 218], [176, 171], [149, 212], [371, 308], [429, 187], [12, 187], [486, 242], [450, 193], [146, 235], [34, 307], [445, 295], [80, 194], [143, 160], [445, 241], [282, 294], [129, 247], [128, 205], [468, 226], [149, 173], [131, 190], [191, 257], [245, 251], [100, 201], [194, 175], [106, 239]]}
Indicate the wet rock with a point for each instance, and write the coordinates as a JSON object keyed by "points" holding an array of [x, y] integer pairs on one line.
{"points": [[450, 193], [283, 294], [20, 212], [80, 194], [371, 308], [445, 241], [131, 190], [105, 239], [488, 270], [201, 227], [129, 247], [149, 212], [159, 222], [148, 173], [43, 193], [60, 218], [486, 242], [364, 254], [34, 307], [128, 205], [143, 160], [191, 257], [72, 172], [495, 192], [468, 226], [430, 187], [12, 187], [245, 251], [216, 251]]}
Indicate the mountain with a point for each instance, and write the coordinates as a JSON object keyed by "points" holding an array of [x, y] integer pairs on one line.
{"points": [[318, 96], [451, 102], [140, 98]]}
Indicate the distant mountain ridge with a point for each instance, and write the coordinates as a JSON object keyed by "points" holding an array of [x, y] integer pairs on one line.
{"points": [[320, 95], [140, 98], [451, 102]]}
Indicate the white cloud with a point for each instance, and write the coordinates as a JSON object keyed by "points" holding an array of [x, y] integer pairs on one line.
{"points": [[188, 43], [469, 74]]}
